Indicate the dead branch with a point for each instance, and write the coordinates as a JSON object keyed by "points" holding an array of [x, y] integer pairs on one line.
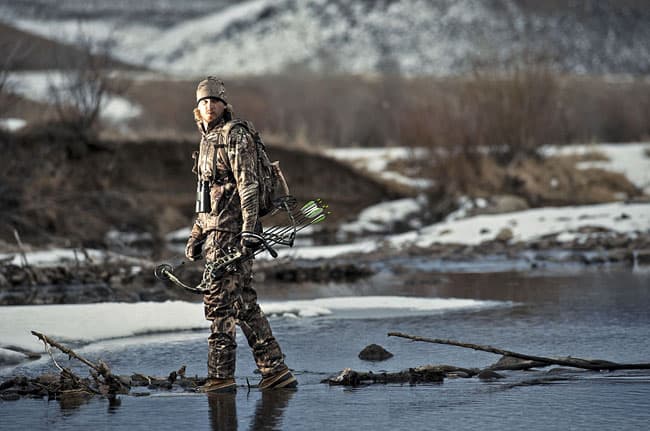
{"points": [[110, 384], [587, 364], [47, 340], [21, 249]]}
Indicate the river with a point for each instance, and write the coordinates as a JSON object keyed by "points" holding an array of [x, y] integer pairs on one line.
{"points": [[584, 313]]}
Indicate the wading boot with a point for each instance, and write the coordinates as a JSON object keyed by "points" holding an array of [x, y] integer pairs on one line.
{"points": [[214, 385], [282, 379]]}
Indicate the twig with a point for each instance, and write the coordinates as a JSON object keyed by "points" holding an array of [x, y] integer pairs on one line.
{"points": [[595, 364], [21, 248], [68, 351], [86, 255]]}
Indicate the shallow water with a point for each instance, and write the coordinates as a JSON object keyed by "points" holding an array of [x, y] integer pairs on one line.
{"points": [[595, 314]]}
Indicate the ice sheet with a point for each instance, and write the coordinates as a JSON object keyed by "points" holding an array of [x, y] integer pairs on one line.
{"points": [[92, 322]]}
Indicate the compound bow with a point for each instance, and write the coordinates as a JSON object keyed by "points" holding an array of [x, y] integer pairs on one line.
{"points": [[313, 212]]}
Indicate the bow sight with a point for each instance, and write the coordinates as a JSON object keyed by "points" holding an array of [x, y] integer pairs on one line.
{"points": [[313, 212]]}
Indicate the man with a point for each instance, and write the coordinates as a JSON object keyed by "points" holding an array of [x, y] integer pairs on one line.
{"points": [[227, 165]]}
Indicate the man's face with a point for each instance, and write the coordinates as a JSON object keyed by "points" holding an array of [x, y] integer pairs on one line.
{"points": [[211, 109]]}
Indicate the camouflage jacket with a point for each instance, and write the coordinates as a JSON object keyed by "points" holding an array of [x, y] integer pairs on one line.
{"points": [[231, 168]]}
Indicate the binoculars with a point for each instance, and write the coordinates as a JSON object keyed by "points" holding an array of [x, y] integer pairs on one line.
{"points": [[203, 197]]}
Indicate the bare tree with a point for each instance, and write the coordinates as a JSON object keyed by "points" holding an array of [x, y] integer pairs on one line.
{"points": [[7, 98], [84, 85]]}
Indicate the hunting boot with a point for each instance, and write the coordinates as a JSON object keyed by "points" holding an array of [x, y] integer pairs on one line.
{"points": [[214, 385], [281, 379]]}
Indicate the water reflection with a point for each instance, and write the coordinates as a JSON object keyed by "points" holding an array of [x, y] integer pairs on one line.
{"points": [[223, 411], [268, 411]]}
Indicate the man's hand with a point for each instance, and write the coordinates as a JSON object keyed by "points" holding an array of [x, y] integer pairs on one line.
{"points": [[193, 248], [249, 244]]}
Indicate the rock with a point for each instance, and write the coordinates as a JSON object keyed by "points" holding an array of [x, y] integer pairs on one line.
{"points": [[504, 235], [643, 257], [347, 377], [499, 204], [48, 379], [489, 375], [18, 277], [374, 352], [9, 396], [620, 255]]}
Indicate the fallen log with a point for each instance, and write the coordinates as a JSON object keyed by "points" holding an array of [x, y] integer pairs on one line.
{"points": [[424, 374], [587, 364]]}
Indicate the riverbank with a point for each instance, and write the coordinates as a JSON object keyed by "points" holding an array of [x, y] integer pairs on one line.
{"points": [[84, 281]]}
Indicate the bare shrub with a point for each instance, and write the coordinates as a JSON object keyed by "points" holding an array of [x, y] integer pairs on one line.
{"points": [[83, 87], [507, 114], [7, 98], [513, 113], [595, 109]]}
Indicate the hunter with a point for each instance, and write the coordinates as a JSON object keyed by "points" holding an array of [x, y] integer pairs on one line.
{"points": [[226, 166]]}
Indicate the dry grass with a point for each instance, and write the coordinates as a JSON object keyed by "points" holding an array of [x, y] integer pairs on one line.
{"points": [[510, 113], [479, 128]]}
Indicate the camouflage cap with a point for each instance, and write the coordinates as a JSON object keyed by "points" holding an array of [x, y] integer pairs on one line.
{"points": [[211, 87]]}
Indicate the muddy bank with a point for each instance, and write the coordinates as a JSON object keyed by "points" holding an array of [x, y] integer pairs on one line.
{"points": [[58, 189], [116, 282]]}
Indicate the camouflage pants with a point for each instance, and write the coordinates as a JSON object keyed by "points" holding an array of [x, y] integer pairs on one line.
{"points": [[233, 301]]}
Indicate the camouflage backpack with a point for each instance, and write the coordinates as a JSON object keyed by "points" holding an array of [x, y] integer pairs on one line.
{"points": [[272, 184]]}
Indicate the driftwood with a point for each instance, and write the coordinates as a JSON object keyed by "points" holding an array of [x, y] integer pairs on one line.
{"points": [[349, 377], [72, 390], [587, 364], [107, 383]]}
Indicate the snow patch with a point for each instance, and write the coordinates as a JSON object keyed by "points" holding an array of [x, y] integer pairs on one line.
{"points": [[525, 226], [179, 235], [38, 86], [385, 216], [12, 124], [59, 256], [532, 224], [324, 251], [379, 306], [376, 161], [631, 160], [93, 322]]}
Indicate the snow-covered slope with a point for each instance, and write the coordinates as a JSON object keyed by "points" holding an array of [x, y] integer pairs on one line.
{"points": [[413, 36]]}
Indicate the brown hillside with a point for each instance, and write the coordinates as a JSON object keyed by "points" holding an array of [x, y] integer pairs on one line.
{"points": [[27, 51]]}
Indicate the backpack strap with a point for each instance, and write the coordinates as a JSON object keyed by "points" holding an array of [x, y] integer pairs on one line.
{"points": [[225, 130]]}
